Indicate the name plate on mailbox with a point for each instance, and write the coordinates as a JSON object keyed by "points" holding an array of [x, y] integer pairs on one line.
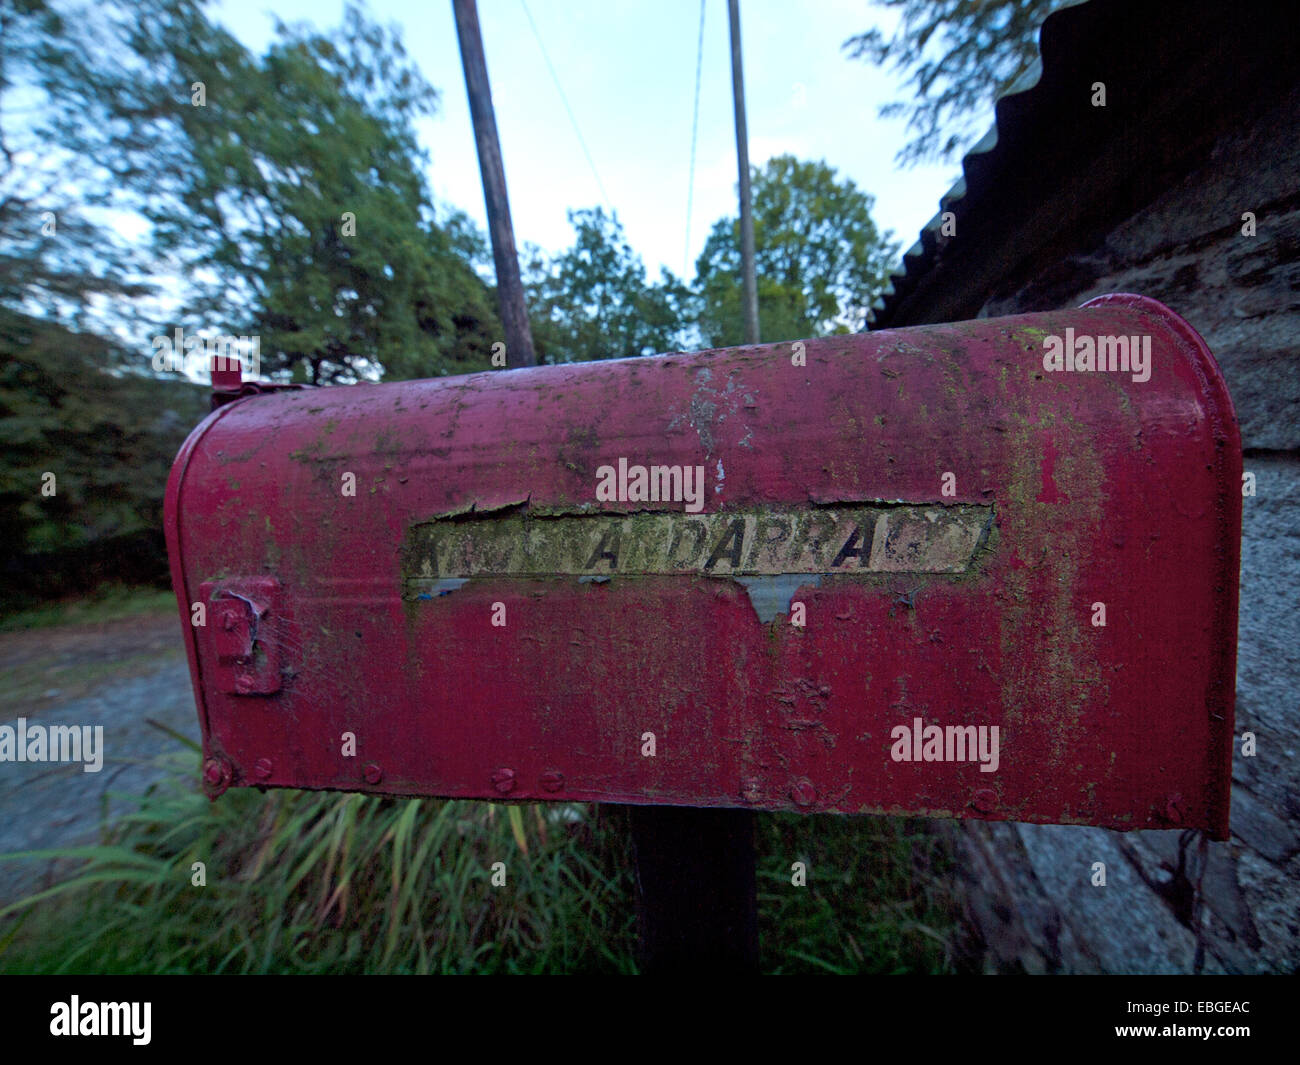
{"points": [[986, 569], [931, 539]]}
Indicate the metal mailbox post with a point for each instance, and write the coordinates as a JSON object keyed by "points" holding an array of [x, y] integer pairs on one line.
{"points": [[986, 569]]}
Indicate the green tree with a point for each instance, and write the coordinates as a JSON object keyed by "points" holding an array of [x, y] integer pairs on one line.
{"points": [[819, 259], [307, 198], [59, 255], [86, 456], [962, 55], [592, 301], [287, 189]]}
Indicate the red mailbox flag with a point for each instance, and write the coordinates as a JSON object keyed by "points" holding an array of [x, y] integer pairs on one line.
{"points": [[986, 569]]}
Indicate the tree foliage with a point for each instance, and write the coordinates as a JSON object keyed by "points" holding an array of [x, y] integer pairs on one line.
{"points": [[288, 188], [59, 254], [819, 259], [592, 301], [86, 456], [962, 55]]}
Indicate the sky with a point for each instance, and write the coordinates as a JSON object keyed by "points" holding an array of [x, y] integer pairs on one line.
{"points": [[627, 68]]}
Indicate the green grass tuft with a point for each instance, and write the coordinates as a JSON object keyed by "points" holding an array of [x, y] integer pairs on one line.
{"points": [[308, 882]]}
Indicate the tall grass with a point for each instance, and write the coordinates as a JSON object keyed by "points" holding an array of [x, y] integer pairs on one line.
{"points": [[307, 882], [303, 882], [878, 896]]}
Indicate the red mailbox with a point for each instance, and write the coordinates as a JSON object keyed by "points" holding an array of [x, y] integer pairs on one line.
{"points": [[986, 569]]}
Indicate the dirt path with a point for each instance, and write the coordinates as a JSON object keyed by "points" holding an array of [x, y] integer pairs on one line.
{"points": [[116, 675]]}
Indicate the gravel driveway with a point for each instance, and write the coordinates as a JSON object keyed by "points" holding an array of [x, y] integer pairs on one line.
{"points": [[118, 675]]}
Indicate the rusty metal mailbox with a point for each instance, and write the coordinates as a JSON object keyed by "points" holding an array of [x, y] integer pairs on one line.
{"points": [[979, 570]]}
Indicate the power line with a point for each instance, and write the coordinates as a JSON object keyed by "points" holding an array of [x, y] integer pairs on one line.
{"points": [[565, 100], [695, 129]]}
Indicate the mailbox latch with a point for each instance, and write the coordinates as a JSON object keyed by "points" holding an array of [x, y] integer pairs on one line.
{"points": [[243, 623]]}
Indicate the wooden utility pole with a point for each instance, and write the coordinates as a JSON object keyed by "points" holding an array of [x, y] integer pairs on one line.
{"points": [[510, 288], [742, 159]]}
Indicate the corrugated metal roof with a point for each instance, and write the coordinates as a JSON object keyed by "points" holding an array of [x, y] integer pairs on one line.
{"points": [[1055, 171]]}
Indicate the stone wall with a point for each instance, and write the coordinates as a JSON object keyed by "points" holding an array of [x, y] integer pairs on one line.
{"points": [[1028, 888]]}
